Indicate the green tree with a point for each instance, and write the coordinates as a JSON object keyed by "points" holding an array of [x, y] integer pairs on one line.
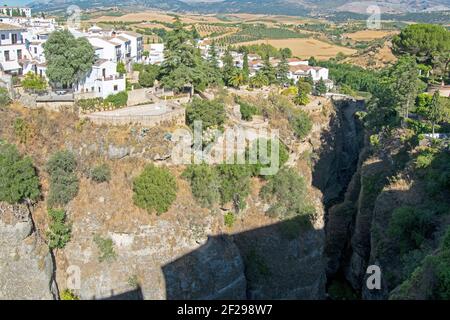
{"points": [[301, 124], [205, 184], [212, 55], [428, 43], [259, 80], [117, 100], [286, 53], [282, 70], [120, 68], [405, 84], [59, 232], [210, 113], [245, 67], [247, 110], [181, 61], [155, 189], [101, 173], [312, 62], [263, 149], [410, 226], [33, 82], [5, 99], [237, 78], [63, 179], [301, 99], [287, 193], [228, 66], [19, 181], [436, 110], [69, 59], [269, 71], [146, 79], [304, 86], [234, 184], [321, 88]]}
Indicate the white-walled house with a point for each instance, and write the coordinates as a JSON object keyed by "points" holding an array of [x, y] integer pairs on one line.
{"points": [[109, 50], [125, 48], [303, 71], [103, 80], [136, 43], [297, 62], [16, 11], [156, 53], [12, 48]]}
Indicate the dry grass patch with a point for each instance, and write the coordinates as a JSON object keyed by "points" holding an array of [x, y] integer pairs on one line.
{"points": [[368, 35], [305, 48]]}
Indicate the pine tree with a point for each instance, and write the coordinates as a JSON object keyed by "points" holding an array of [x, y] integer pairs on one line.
{"points": [[321, 88], [245, 67], [436, 110], [268, 70], [212, 55], [282, 71]]}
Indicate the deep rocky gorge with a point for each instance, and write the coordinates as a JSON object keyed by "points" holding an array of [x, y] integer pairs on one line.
{"points": [[188, 252]]}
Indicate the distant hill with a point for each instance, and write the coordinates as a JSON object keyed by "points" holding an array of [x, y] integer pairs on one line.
{"points": [[285, 7]]}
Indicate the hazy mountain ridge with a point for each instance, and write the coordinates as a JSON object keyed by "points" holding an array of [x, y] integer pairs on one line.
{"points": [[288, 7]]}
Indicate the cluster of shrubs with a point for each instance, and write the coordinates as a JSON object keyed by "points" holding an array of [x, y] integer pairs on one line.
{"points": [[155, 189], [19, 180], [100, 173], [226, 183], [63, 179], [248, 110], [113, 101], [210, 113]]}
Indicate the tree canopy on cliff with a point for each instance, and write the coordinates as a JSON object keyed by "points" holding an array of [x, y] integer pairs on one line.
{"points": [[69, 59], [183, 64], [429, 44], [18, 178]]}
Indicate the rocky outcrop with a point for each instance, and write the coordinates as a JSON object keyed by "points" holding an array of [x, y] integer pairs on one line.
{"points": [[337, 154], [26, 265], [338, 158]]}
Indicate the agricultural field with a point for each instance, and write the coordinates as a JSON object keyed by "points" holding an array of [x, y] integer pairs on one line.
{"points": [[160, 16], [211, 30], [369, 35], [259, 32], [305, 48]]}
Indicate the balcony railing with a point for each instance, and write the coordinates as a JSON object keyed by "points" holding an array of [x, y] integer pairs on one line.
{"points": [[112, 77]]}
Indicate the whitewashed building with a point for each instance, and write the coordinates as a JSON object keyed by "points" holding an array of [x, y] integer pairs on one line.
{"points": [[12, 48], [136, 43], [15, 11], [156, 53], [102, 81], [106, 49], [302, 71]]}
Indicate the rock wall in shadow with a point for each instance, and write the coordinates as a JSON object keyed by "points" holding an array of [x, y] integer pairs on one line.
{"points": [[280, 261]]}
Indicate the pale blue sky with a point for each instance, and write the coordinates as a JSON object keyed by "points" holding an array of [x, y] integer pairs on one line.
{"points": [[14, 2]]}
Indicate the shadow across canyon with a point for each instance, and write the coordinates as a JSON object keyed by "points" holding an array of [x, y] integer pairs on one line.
{"points": [[279, 261]]}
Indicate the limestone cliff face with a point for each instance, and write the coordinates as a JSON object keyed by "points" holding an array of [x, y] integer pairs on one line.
{"points": [[26, 266], [185, 253], [357, 229], [338, 157]]}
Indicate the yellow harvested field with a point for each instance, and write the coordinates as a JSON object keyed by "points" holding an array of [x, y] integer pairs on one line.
{"points": [[367, 35], [151, 25], [159, 16], [152, 15], [305, 48]]}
